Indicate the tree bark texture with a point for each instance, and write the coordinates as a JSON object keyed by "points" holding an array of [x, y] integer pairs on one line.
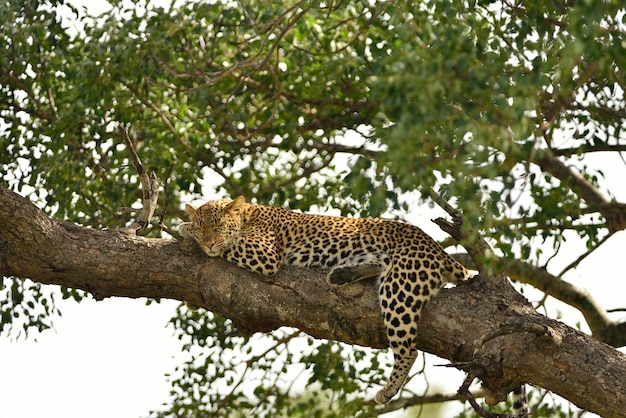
{"points": [[484, 326]]}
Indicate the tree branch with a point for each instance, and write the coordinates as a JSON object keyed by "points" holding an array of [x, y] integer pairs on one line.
{"points": [[602, 327], [402, 403], [615, 213], [108, 263], [589, 148], [149, 184], [572, 179]]}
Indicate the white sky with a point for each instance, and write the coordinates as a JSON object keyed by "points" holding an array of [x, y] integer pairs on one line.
{"points": [[109, 358], [104, 359]]}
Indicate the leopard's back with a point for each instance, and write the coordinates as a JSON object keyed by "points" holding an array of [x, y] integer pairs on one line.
{"points": [[322, 241]]}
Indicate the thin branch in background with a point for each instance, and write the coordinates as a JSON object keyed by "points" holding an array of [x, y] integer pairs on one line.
{"points": [[182, 140], [404, 403], [442, 203], [464, 391], [585, 255], [587, 148]]}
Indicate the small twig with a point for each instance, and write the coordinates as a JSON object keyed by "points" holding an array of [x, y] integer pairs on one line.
{"points": [[537, 329], [465, 392], [53, 106], [443, 204], [175, 234], [149, 184], [166, 204], [125, 209], [478, 249], [583, 256]]}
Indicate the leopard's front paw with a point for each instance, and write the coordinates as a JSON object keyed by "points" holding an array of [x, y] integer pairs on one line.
{"points": [[188, 246]]}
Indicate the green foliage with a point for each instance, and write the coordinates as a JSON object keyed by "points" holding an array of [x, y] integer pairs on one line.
{"points": [[343, 105], [263, 375], [24, 307], [473, 91]]}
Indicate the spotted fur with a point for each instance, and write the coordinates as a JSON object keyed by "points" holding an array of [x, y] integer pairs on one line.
{"points": [[409, 265], [520, 406]]}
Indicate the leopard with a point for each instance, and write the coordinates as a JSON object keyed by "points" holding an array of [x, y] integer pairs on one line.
{"points": [[408, 265]]}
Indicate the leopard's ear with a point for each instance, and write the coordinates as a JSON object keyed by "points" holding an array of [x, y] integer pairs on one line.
{"points": [[190, 209], [237, 203]]}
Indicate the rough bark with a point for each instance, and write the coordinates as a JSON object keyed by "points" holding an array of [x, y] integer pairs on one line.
{"points": [[484, 326]]}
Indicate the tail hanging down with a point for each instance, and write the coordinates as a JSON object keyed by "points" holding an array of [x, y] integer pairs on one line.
{"points": [[520, 406]]}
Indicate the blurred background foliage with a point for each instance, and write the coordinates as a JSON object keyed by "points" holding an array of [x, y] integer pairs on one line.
{"points": [[348, 105]]}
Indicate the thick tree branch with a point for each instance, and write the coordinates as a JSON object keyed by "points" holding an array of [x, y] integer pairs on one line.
{"points": [[108, 263]]}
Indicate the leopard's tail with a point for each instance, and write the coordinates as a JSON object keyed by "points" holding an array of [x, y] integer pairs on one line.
{"points": [[520, 406]]}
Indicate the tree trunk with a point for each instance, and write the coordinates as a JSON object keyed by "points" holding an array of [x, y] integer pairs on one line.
{"points": [[485, 326]]}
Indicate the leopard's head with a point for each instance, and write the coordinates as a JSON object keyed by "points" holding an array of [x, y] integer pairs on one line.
{"points": [[216, 222]]}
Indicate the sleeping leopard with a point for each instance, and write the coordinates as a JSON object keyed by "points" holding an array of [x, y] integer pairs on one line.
{"points": [[409, 265]]}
